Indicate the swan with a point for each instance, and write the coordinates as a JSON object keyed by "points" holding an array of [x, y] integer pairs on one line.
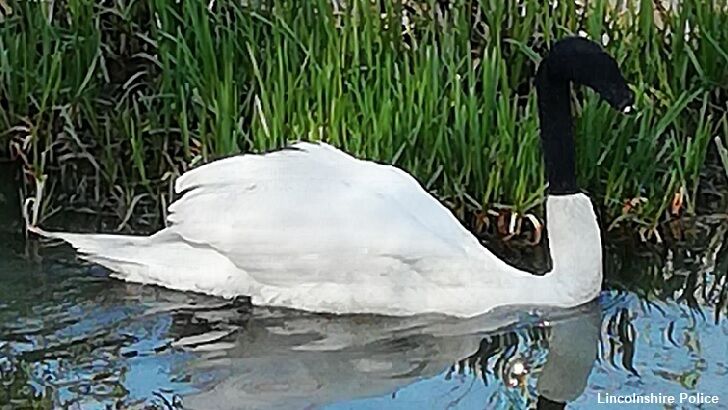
{"points": [[310, 227]]}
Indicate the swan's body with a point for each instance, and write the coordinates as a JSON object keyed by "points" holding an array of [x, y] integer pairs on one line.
{"points": [[316, 229]]}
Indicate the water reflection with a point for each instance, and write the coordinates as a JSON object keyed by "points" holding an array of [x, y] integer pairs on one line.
{"points": [[81, 339], [288, 360]]}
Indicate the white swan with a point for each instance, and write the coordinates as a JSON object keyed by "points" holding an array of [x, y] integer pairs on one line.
{"points": [[313, 228]]}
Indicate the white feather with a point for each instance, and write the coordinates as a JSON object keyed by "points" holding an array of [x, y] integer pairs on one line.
{"points": [[316, 229]]}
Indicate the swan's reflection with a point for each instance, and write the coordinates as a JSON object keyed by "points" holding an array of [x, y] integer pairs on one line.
{"points": [[284, 359], [573, 348]]}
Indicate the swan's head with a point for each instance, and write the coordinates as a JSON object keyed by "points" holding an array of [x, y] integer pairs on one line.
{"points": [[582, 61]]}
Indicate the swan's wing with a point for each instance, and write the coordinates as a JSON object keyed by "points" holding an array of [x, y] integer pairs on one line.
{"points": [[313, 214]]}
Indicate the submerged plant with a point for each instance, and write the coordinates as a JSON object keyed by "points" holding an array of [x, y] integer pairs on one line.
{"points": [[16, 389]]}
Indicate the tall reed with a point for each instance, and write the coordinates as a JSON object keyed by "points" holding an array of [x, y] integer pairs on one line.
{"points": [[108, 102]]}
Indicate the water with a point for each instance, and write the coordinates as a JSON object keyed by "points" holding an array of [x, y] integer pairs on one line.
{"points": [[75, 337]]}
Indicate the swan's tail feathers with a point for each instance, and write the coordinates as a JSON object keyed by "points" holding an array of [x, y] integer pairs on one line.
{"points": [[118, 253], [163, 259], [92, 244]]}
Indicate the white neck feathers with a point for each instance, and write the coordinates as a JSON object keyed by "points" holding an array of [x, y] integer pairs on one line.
{"points": [[575, 246]]}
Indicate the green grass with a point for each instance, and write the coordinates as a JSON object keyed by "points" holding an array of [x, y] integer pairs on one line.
{"points": [[107, 103]]}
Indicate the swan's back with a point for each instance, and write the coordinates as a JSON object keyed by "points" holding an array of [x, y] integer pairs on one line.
{"points": [[315, 214]]}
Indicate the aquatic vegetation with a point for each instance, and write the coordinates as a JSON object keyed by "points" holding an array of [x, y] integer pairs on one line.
{"points": [[106, 102], [16, 388]]}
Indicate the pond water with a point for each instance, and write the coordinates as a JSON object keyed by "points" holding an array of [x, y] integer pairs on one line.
{"points": [[74, 338]]}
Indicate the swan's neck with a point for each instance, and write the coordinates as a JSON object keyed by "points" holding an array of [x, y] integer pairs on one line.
{"points": [[557, 140], [575, 245]]}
